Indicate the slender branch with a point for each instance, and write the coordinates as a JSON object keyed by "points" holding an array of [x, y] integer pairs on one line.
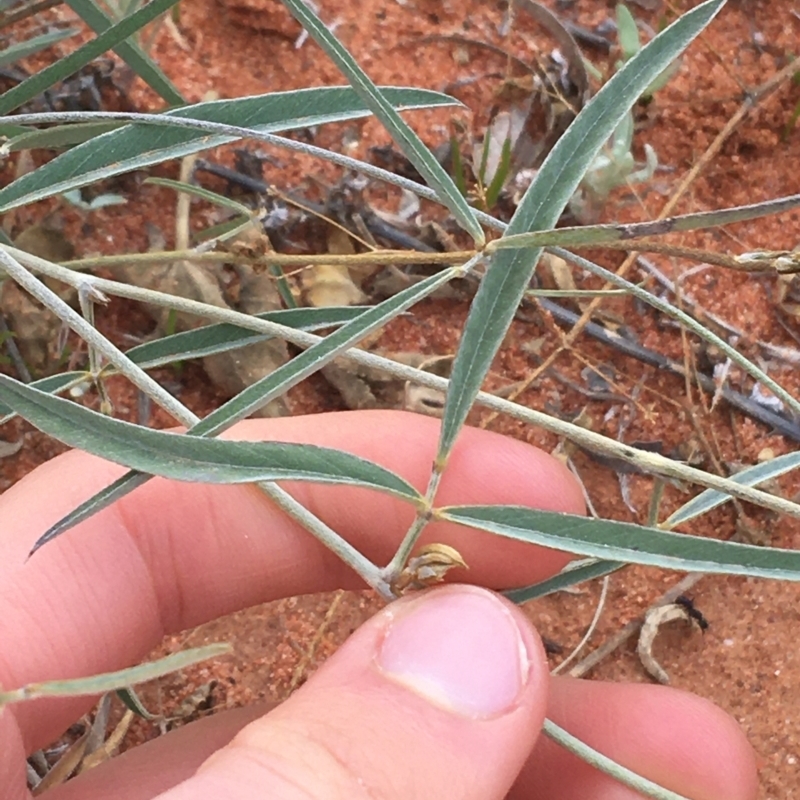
{"points": [[690, 322], [606, 764], [608, 235], [93, 338], [645, 461], [424, 514], [776, 261], [378, 257], [365, 568]]}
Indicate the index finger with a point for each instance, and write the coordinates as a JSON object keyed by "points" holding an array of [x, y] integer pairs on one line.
{"points": [[171, 555]]}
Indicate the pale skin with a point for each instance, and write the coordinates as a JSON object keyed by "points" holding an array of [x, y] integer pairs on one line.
{"points": [[173, 555]]}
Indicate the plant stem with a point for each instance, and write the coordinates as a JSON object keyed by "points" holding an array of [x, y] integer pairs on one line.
{"points": [[376, 257], [89, 334], [607, 765], [649, 462], [371, 574], [393, 569], [690, 322], [365, 568]]}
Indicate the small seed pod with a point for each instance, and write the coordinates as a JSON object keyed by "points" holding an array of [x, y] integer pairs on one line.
{"points": [[428, 567]]}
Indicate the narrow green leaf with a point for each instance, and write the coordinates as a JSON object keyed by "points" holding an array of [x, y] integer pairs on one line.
{"points": [[407, 140], [571, 576], [624, 541], [627, 32], [586, 235], [314, 358], [132, 702], [752, 476], [220, 338], [500, 176], [111, 681], [202, 194], [283, 286], [222, 231], [261, 392], [64, 67], [31, 46], [8, 131], [141, 145], [129, 51], [58, 136], [205, 341], [509, 275], [97, 502], [191, 458], [51, 384]]}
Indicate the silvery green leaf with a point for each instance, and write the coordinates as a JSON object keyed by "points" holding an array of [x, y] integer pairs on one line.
{"points": [[64, 67], [222, 337], [110, 681], [29, 47], [626, 542], [128, 50], [407, 140], [509, 274], [192, 458], [752, 476], [568, 577], [141, 145]]}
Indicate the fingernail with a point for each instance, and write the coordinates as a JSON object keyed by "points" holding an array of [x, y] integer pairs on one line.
{"points": [[459, 648]]}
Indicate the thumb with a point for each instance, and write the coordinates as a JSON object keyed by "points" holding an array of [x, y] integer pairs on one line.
{"points": [[442, 694]]}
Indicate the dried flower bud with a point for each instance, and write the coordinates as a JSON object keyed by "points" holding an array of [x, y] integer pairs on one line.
{"points": [[428, 567]]}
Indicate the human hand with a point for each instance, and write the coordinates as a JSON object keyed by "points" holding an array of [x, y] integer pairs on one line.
{"points": [[441, 695]]}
